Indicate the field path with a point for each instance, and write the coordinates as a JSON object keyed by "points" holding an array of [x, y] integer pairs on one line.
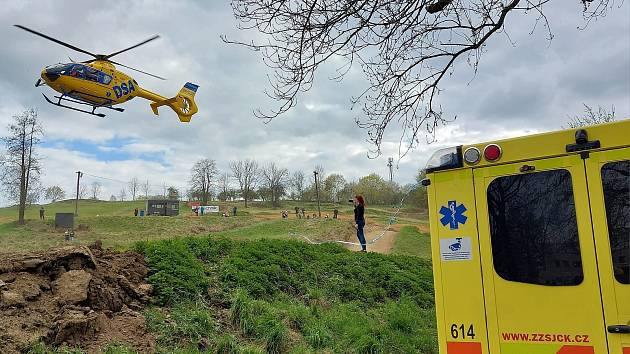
{"points": [[383, 245]]}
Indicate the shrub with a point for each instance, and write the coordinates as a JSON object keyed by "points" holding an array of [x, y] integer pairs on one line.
{"points": [[336, 300], [176, 273]]}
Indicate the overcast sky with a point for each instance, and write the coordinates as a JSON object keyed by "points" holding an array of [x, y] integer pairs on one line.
{"points": [[525, 85]]}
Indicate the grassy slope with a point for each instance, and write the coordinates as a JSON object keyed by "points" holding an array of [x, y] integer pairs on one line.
{"points": [[411, 242], [277, 296]]}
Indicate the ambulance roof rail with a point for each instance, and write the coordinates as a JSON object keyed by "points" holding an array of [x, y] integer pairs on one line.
{"points": [[445, 159]]}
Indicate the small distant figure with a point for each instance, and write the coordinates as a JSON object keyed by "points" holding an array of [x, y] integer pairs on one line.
{"points": [[314, 216], [326, 217], [297, 212], [303, 213], [41, 213], [308, 216], [135, 212], [202, 210], [285, 214], [196, 210], [234, 211], [335, 213]]}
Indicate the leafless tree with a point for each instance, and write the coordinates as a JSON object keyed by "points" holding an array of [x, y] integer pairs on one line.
{"points": [[297, 184], [112, 198], [83, 191], [406, 48], [275, 180], [54, 193], [95, 190], [134, 186], [122, 194], [164, 190], [591, 116], [20, 165], [172, 193], [146, 188], [202, 177], [321, 175], [224, 186], [246, 174]]}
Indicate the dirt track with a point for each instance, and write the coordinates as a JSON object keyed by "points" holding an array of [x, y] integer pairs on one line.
{"points": [[383, 245], [73, 296]]}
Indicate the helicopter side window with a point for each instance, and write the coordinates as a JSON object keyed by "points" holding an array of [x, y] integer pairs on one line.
{"points": [[77, 71], [104, 78], [91, 74]]}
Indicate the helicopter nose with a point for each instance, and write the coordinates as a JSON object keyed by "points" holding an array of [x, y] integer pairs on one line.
{"points": [[49, 76]]}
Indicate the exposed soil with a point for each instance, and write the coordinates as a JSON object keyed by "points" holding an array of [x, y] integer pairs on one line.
{"points": [[74, 296], [382, 245]]}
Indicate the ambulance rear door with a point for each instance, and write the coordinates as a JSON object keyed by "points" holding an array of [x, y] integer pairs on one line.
{"points": [[538, 258], [608, 174]]}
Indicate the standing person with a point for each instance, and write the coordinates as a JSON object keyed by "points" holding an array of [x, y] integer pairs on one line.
{"points": [[234, 211], [359, 219], [335, 213], [41, 212], [135, 212]]}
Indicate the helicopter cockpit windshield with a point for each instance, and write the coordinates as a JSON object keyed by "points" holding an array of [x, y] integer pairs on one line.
{"points": [[59, 69], [80, 71]]}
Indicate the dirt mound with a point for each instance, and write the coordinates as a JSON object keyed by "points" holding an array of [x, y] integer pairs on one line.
{"points": [[75, 296]]}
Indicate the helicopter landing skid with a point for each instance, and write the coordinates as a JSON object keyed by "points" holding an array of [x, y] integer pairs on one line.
{"points": [[94, 107]]}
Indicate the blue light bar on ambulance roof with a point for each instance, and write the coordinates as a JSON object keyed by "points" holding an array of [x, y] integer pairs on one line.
{"points": [[445, 159]]}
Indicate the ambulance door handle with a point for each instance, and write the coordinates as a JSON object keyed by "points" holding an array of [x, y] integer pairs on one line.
{"points": [[619, 329]]}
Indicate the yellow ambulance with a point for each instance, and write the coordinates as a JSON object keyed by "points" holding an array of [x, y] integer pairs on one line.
{"points": [[531, 243]]}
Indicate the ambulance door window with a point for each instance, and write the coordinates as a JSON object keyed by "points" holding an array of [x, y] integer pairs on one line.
{"points": [[616, 183], [533, 228]]}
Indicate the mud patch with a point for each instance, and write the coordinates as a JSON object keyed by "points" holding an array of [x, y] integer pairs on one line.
{"points": [[75, 296]]}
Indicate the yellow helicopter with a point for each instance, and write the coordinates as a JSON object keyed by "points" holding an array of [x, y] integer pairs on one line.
{"points": [[98, 84]]}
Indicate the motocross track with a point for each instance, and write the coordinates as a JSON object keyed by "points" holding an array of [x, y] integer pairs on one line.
{"points": [[73, 296]]}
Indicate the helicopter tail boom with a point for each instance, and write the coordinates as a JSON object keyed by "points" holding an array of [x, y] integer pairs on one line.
{"points": [[183, 103]]}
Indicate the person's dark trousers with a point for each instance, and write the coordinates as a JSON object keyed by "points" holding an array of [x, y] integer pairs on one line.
{"points": [[360, 234]]}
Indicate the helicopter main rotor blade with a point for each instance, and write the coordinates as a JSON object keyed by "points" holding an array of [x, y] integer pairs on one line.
{"points": [[55, 40], [140, 71], [132, 47]]}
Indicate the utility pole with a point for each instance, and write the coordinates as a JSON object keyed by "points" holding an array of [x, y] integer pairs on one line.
{"points": [[317, 193], [76, 202], [390, 164]]}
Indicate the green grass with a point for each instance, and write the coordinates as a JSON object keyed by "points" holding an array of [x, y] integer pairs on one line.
{"points": [[114, 224], [279, 296], [114, 231], [411, 242]]}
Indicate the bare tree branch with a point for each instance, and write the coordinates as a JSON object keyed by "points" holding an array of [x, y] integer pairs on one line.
{"points": [[406, 48]]}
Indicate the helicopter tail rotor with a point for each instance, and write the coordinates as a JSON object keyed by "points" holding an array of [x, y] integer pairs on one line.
{"points": [[183, 103]]}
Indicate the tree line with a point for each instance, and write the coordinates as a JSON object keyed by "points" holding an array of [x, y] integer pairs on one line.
{"points": [[248, 180]]}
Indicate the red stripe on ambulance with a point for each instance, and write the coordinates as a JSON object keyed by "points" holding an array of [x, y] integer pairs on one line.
{"points": [[576, 349], [464, 348]]}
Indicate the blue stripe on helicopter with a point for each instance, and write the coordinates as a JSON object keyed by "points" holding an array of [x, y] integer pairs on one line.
{"points": [[191, 86]]}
